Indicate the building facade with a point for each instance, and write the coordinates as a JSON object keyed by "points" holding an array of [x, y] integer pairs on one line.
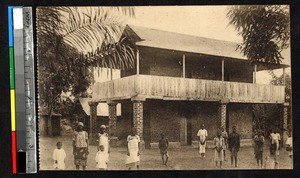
{"points": [[181, 81]]}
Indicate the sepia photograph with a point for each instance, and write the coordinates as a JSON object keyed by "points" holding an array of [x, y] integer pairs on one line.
{"points": [[164, 87]]}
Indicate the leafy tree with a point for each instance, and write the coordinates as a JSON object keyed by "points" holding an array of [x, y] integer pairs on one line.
{"points": [[72, 39], [266, 116], [265, 31]]}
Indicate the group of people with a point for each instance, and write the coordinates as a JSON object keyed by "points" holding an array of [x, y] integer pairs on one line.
{"points": [[81, 150], [222, 141]]}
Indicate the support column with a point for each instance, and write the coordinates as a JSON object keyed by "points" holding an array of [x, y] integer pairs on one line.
{"points": [[112, 117], [283, 73], [137, 62], [222, 114], [223, 70], [285, 115], [93, 118], [138, 117], [183, 66], [254, 73]]}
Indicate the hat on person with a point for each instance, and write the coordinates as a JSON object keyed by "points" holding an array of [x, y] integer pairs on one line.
{"points": [[80, 123], [102, 127]]}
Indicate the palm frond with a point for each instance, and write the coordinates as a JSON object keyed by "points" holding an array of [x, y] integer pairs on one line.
{"points": [[88, 27]]}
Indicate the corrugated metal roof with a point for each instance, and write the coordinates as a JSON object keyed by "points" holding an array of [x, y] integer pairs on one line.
{"points": [[182, 42], [148, 37]]}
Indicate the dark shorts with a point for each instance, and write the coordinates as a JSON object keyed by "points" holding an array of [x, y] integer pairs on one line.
{"points": [[234, 152], [259, 155], [164, 152]]}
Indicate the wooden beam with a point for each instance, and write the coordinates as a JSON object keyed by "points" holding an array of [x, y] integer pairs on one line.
{"points": [[223, 69], [137, 62], [183, 66], [254, 73], [111, 74], [283, 71]]}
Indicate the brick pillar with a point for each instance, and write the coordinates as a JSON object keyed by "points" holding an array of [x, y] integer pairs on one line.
{"points": [[93, 118], [222, 114], [285, 115], [112, 116], [138, 117]]}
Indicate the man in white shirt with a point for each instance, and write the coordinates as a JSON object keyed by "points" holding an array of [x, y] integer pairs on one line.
{"points": [[202, 134]]}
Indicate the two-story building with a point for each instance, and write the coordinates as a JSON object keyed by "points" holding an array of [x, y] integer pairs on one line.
{"points": [[181, 81]]}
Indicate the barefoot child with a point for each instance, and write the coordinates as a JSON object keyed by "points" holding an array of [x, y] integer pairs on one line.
{"points": [[219, 145], [258, 147], [163, 147], [59, 156], [101, 158]]}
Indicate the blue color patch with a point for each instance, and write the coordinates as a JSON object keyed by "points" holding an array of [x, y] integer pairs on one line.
{"points": [[10, 26]]}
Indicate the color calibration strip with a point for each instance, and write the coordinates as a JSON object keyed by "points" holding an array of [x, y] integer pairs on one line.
{"points": [[12, 90], [22, 90]]}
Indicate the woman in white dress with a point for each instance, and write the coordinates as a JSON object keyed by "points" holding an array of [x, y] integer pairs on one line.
{"points": [[133, 150]]}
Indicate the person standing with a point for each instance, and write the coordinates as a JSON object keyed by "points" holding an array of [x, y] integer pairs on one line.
{"points": [[224, 134], [219, 144], [234, 145], [163, 145], [80, 147], [59, 156], [274, 147], [103, 139], [289, 146], [133, 150], [258, 147], [101, 158], [202, 134]]}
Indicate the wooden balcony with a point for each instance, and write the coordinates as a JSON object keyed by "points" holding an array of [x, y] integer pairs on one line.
{"points": [[174, 88]]}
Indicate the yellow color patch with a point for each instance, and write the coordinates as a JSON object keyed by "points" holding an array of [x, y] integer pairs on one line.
{"points": [[13, 109]]}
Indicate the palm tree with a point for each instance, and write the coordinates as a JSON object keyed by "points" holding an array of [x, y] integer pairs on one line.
{"points": [[70, 40]]}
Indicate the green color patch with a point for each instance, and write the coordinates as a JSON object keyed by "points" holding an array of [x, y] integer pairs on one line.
{"points": [[11, 68]]}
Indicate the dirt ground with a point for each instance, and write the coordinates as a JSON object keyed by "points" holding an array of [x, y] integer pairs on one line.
{"points": [[185, 158]]}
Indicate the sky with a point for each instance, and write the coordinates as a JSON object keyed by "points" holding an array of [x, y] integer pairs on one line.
{"points": [[204, 21]]}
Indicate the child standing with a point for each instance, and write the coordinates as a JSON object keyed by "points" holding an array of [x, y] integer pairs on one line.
{"points": [[102, 158], [274, 147], [258, 147], [59, 156], [133, 150], [219, 145], [163, 147]]}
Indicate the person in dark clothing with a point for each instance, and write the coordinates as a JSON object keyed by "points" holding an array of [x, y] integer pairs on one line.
{"points": [[234, 145], [163, 147], [258, 147]]}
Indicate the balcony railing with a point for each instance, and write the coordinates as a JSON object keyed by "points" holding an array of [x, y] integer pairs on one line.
{"points": [[174, 88]]}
